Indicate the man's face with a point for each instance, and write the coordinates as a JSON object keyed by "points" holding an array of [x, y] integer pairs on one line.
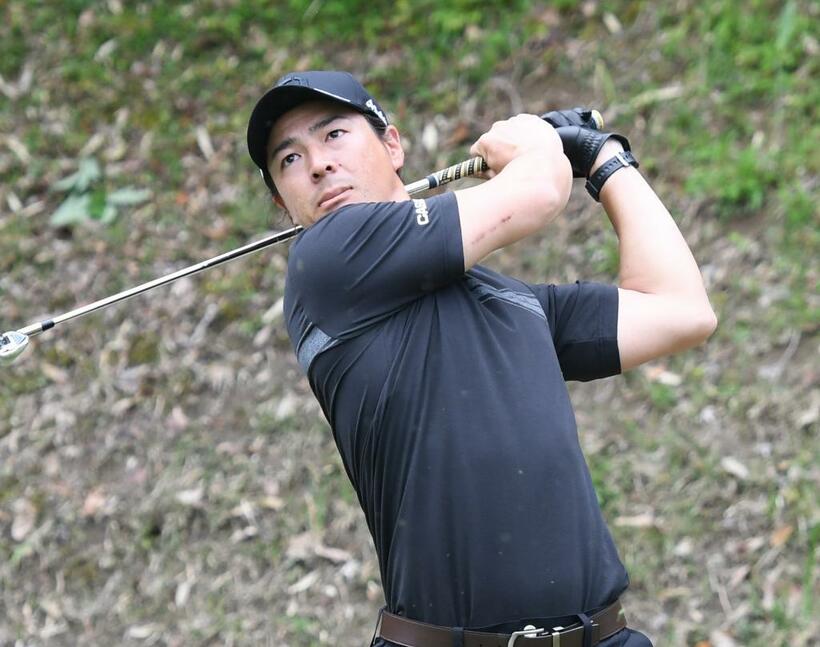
{"points": [[322, 155]]}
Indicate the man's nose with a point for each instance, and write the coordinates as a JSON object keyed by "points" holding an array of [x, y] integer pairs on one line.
{"points": [[321, 166]]}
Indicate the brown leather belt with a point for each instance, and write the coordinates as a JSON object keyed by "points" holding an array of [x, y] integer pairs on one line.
{"points": [[411, 633]]}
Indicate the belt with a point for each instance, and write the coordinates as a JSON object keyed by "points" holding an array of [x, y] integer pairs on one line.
{"points": [[412, 633]]}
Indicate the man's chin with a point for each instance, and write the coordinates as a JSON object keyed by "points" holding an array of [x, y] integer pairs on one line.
{"points": [[339, 200]]}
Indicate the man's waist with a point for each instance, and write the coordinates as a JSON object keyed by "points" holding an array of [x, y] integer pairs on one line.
{"points": [[568, 631]]}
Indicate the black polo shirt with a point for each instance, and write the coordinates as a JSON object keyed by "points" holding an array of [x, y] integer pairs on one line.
{"points": [[446, 394]]}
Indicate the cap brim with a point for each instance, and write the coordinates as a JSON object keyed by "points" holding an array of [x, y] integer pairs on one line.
{"points": [[273, 104]]}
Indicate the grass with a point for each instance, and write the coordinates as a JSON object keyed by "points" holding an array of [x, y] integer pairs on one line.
{"points": [[719, 100]]}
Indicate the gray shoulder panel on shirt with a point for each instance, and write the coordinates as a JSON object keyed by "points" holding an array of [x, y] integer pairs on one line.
{"points": [[525, 300], [314, 341]]}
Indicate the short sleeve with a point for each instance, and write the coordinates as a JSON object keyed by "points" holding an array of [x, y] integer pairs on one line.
{"points": [[583, 321], [365, 261]]}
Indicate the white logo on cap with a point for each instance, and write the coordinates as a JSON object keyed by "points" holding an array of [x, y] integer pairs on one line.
{"points": [[372, 105]]}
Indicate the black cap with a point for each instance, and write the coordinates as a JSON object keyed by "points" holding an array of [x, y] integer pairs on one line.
{"points": [[299, 87]]}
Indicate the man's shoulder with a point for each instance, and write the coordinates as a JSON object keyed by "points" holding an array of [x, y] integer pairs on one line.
{"points": [[351, 216], [353, 230]]}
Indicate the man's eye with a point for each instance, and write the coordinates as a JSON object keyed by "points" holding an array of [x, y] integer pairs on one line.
{"points": [[288, 159], [335, 133]]}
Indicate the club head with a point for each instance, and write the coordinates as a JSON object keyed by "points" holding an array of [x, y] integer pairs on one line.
{"points": [[12, 344]]}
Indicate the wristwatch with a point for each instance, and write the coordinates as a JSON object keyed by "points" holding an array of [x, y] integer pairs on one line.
{"points": [[595, 182]]}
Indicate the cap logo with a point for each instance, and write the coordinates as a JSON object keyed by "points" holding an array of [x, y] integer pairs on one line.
{"points": [[372, 105]]}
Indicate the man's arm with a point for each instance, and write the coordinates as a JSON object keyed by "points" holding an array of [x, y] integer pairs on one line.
{"points": [[663, 307], [530, 182]]}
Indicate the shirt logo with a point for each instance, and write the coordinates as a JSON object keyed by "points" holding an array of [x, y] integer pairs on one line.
{"points": [[422, 217]]}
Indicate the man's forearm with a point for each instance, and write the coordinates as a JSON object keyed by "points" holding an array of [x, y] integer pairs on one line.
{"points": [[654, 257]]}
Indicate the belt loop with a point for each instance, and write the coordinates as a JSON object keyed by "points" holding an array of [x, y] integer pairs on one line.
{"points": [[587, 622], [458, 636]]}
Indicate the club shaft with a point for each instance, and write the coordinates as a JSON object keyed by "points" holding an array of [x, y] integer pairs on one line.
{"points": [[454, 172], [39, 327]]}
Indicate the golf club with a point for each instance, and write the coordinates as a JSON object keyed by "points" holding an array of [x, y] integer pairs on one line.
{"points": [[13, 343]]}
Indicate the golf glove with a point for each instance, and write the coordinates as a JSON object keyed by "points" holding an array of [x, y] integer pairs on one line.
{"points": [[580, 136], [575, 117]]}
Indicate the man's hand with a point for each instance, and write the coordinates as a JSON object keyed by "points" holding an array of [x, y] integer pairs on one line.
{"points": [[582, 146], [581, 138], [530, 185], [574, 117], [515, 137]]}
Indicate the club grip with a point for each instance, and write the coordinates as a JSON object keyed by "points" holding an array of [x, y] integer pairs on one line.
{"points": [[455, 172], [589, 118]]}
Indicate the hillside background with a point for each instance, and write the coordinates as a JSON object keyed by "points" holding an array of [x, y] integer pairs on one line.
{"points": [[166, 477]]}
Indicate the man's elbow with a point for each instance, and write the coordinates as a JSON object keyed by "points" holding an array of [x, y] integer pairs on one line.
{"points": [[702, 322], [552, 200]]}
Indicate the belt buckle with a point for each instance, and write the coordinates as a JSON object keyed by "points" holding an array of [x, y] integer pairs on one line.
{"points": [[530, 631]]}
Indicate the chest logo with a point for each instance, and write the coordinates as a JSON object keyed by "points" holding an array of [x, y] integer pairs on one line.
{"points": [[422, 217]]}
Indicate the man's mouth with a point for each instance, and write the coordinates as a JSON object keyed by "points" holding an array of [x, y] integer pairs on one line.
{"points": [[330, 197]]}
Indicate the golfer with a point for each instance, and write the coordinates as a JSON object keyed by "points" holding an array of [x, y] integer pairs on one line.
{"points": [[444, 381]]}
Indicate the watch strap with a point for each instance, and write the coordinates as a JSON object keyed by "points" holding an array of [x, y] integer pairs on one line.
{"points": [[595, 182]]}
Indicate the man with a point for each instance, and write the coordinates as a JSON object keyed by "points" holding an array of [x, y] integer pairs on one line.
{"points": [[444, 382]]}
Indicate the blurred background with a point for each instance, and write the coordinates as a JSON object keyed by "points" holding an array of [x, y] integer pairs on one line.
{"points": [[166, 477]]}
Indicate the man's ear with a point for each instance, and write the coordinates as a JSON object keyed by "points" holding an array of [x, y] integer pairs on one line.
{"points": [[277, 199], [392, 143]]}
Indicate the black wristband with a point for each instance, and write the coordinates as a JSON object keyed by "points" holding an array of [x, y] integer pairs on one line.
{"points": [[595, 183]]}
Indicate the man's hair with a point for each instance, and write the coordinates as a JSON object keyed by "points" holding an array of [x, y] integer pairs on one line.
{"points": [[378, 126]]}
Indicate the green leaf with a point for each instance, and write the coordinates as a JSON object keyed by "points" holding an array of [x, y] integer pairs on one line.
{"points": [[97, 204], [88, 172], [128, 195], [74, 209], [786, 26], [67, 183], [109, 213]]}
